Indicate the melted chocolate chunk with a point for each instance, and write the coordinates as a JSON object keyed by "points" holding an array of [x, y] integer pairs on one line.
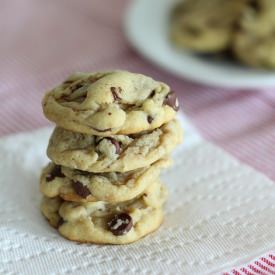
{"points": [[56, 172], [76, 86], [60, 222], [152, 94], [237, 26], [255, 5], [80, 189], [82, 173], [80, 99], [116, 144], [172, 101], [150, 119], [115, 92], [72, 97], [120, 224]]}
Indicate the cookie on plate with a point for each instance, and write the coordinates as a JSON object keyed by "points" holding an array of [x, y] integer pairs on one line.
{"points": [[254, 40], [117, 153], [204, 26], [79, 186], [110, 103], [101, 222]]}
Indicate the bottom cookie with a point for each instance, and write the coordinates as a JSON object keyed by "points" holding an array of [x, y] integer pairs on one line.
{"points": [[106, 223]]}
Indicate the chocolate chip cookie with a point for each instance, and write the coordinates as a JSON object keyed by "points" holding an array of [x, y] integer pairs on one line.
{"points": [[110, 103], [254, 40], [205, 26], [116, 153], [79, 186], [101, 222]]}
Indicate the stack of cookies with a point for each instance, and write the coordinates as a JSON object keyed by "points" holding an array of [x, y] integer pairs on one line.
{"points": [[114, 133], [242, 28]]}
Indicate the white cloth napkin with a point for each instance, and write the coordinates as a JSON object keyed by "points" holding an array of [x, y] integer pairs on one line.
{"points": [[220, 213]]}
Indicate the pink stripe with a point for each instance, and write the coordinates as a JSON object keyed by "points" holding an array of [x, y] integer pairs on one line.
{"points": [[266, 261], [262, 266], [246, 271], [256, 270], [258, 263]]}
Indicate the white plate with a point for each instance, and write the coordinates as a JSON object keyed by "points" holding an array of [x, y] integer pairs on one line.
{"points": [[146, 26]]}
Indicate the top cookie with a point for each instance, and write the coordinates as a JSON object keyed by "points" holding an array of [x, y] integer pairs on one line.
{"points": [[205, 26], [110, 103]]}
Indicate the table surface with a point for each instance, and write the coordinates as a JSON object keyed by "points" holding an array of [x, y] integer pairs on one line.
{"points": [[44, 41]]}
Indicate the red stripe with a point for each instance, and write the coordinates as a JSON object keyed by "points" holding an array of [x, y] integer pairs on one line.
{"points": [[264, 267], [261, 266], [267, 262], [246, 271], [256, 270]]}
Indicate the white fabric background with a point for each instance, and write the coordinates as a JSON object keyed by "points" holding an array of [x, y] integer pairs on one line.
{"points": [[220, 213]]}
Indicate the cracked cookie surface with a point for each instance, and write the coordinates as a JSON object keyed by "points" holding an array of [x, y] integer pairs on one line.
{"points": [[79, 186], [101, 222], [118, 153], [110, 103]]}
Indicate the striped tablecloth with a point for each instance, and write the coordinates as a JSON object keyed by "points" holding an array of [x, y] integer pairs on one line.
{"points": [[43, 41]]}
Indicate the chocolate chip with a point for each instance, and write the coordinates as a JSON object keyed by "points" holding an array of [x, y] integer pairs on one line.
{"points": [[80, 189], [113, 141], [82, 173], [80, 99], [116, 144], [73, 96], [115, 91], [102, 131], [76, 86], [60, 222], [56, 172], [120, 224], [237, 26], [150, 119], [172, 101], [255, 5], [152, 94]]}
